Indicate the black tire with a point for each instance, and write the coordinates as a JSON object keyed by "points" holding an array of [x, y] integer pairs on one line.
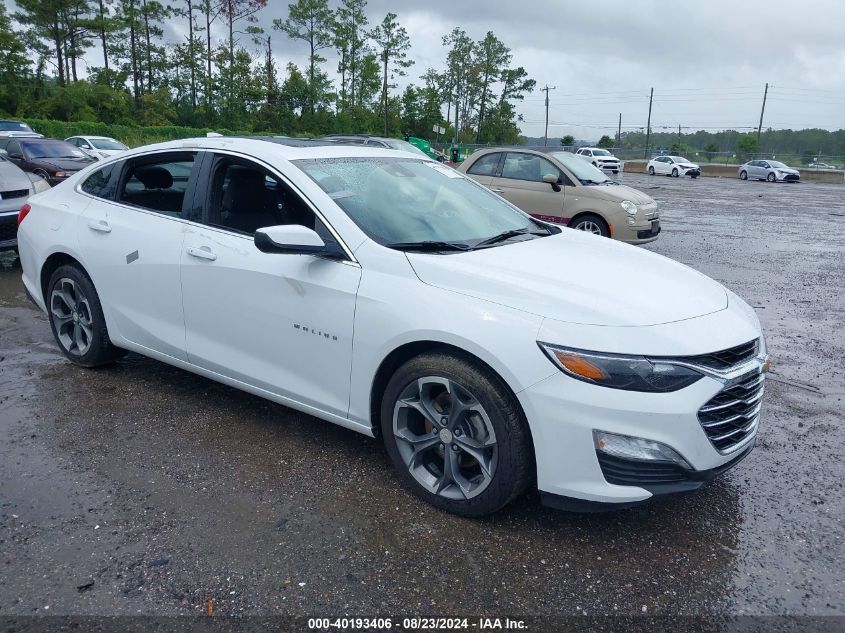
{"points": [[100, 350], [651, 170], [514, 467], [591, 217], [675, 172], [743, 175], [771, 177], [41, 173]]}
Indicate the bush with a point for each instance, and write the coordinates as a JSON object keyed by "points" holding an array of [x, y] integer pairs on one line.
{"points": [[133, 136]]}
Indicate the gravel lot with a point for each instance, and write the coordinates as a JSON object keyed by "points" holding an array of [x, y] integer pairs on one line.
{"points": [[141, 488]]}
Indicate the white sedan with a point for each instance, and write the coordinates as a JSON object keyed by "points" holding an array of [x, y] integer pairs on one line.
{"points": [[674, 166], [98, 147], [391, 295]]}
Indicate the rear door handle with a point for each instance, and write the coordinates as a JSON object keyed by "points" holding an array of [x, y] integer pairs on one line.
{"points": [[202, 252], [102, 226]]}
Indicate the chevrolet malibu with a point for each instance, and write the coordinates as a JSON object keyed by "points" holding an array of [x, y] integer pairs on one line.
{"points": [[384, 292]]}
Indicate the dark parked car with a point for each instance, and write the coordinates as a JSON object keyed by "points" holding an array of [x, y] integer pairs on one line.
{"points": [[51, 159]]}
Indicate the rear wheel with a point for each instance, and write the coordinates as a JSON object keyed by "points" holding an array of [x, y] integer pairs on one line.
{"points": [[743, 175], [455, 433], [651, 171], [76, 318], [591, 223], [771, 177]]}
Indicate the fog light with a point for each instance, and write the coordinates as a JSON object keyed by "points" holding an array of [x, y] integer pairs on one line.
{"points": [[628, 447], [631, 221]]}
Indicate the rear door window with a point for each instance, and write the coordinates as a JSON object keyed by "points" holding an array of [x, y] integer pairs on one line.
{"points": [[157, 184]]}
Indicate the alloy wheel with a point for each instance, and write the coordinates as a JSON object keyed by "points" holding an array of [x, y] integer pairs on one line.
{"points": [[445, 438], [71, 316], [589, 226]]}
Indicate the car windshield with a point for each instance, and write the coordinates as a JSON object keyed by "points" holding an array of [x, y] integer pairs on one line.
{"points": [[776, 164], [51, 149], [601, 152], [581, 169], [107, 143], [14, 126], [404, 146], [679, 159], [403, 201]]}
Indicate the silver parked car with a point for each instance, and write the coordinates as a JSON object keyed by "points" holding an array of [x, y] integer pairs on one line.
{"points": [[770, 170], [16, 186]]}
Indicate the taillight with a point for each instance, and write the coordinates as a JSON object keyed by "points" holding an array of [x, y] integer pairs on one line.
{"points": [[25, 209]]}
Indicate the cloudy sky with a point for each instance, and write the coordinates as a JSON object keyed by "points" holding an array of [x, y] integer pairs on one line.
{"points": [[707, 60]]}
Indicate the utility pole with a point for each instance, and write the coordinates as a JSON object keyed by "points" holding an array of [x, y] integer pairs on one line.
{"points": [[679, 134], [546, 133], [648, 125], [619, 132], [762, 110]]}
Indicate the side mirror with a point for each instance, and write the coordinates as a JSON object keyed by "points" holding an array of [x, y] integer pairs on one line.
{"points": [[293, 239], [553, 181], [85, 146]]}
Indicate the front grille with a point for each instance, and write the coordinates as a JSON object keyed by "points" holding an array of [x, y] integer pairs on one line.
{"points": [[791, 177], [18, 193], [726, 358], [731, 416]]}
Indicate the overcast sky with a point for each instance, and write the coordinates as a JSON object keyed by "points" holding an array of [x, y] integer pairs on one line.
{"points": [[708, 60]]}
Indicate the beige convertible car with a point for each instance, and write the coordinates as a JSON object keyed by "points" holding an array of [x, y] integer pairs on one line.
{"points": [[559, 187]]}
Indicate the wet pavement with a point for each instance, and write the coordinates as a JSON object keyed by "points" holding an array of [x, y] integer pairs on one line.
{"points": [[140, 488]]}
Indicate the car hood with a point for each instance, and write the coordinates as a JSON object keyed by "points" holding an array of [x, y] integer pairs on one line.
{"points": [[688, 165], [63, 164], [618, 193], [577, 277], [12, 178], [109, 152], [786, 170]]}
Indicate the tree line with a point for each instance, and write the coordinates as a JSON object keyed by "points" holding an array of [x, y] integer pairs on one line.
{"points": [[144, 76]]}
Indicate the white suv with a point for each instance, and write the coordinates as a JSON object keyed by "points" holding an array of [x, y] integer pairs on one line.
{"points": [[600, 158]]}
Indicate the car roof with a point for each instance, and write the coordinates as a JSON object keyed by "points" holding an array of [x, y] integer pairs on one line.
{"points": [[288, 148]]}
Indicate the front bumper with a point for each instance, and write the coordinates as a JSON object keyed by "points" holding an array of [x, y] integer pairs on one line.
{"points": [[564, 412], [639, 233], [695, 173]]}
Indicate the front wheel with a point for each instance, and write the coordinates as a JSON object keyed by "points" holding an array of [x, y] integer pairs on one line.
{"points": [[455, 433], [591, 224], [76, 318], [651, 171], [743, 175], [675, 173], [41, 173], [771, 177]]}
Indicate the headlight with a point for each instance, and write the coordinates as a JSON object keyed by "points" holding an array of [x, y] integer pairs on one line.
{"points": [[631, 373], [629, 207], [61, 174]]}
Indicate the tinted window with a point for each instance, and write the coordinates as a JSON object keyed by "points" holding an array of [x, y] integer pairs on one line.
{"points": [[527, 167], [13, 147], [48, 148], [245, 197], [157, 185], [486, 165], [102, 183]]}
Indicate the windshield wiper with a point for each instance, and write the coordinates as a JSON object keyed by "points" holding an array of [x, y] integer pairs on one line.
{"points": [[429, 246], [506, 235]]}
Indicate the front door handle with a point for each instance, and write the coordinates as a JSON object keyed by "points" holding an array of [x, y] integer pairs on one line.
{"points": [[202, 252], [102, 226], [496, 190]]}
